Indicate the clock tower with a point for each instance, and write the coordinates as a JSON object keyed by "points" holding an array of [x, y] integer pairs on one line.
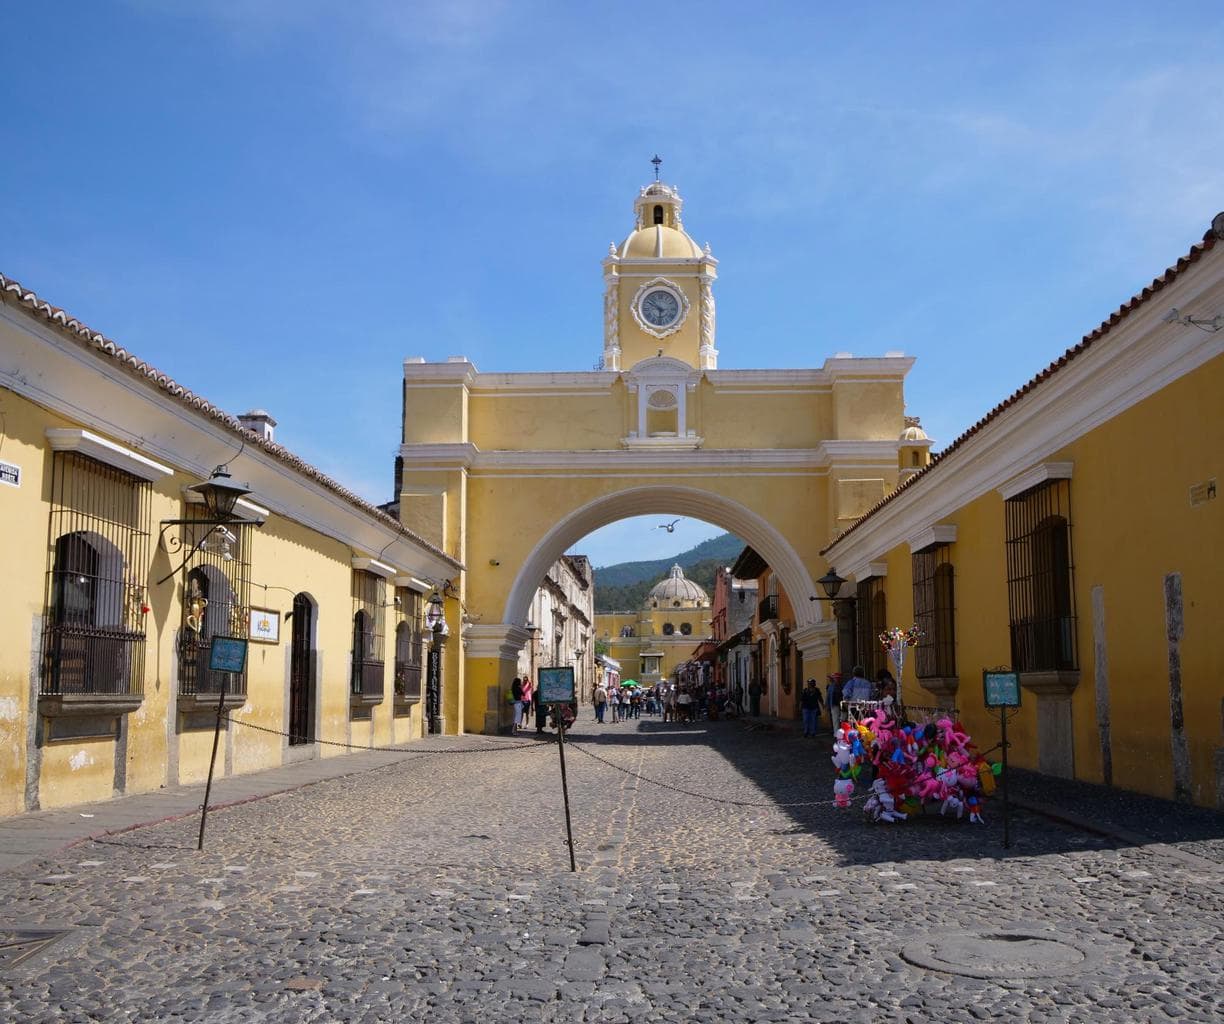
{"points": [[658, 288]]}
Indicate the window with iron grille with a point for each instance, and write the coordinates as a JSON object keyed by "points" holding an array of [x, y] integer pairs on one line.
{"points": [[934, 612], [98, 562], [409, 644], [369, 606], [1040, 596], [872, 621], [216, 602]]}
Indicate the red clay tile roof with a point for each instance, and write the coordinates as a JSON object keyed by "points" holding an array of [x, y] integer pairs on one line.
{"points": [[1215, 232], [12, 291]]}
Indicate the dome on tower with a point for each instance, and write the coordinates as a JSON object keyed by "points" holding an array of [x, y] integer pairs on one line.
{"points": [[913, 430], [677, 591], [659, 233]]}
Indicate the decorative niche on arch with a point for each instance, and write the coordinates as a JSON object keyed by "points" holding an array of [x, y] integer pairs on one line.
{"points": [[661, 388]]}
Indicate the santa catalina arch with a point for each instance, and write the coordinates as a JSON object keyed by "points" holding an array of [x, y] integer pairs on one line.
{"points": [[505, 471]]}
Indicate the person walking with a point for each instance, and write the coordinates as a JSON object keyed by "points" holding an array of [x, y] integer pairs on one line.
{"points": [[614, 703], [516, 695], [833, 698], [530, 703], [812, 704], [601, 703], [754, 699], [859, 687]]}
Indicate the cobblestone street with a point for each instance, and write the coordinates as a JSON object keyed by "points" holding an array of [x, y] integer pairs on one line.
{"points": [[438, 888]]}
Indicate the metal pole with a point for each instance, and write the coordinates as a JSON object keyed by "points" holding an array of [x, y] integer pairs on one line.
{"points": [[213, 759], [1006, 805], [569, 832]]}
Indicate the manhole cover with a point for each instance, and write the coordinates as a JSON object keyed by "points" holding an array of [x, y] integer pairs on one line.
{"points": [[1007, 952]]}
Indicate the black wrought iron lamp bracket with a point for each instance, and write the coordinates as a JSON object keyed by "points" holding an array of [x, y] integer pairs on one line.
{"points": [[173, 544]]}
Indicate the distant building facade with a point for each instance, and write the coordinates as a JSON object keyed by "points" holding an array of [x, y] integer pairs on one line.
{"points": [[650, 642]]}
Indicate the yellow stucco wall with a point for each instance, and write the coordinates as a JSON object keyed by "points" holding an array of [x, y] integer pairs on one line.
{"points": [[285, 556], [1132, 524]]}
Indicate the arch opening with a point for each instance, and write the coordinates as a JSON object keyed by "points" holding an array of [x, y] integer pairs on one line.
{"points": [[667, 500]]}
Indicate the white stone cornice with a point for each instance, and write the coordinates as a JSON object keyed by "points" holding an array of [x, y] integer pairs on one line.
{"points": [[412, 583], [892, 367], [1037, 475], [71, 439], [495, 640], [446, 455], [418, 373], [940, 533], [497, 385], [736, 380], [834, 453], [869, 570], [364, 563]]}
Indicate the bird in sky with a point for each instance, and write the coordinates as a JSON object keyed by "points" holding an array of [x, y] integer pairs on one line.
{"points": [[669, 527]]}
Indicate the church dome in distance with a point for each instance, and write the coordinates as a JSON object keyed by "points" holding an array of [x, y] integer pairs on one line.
{"points": [[677, 591]]}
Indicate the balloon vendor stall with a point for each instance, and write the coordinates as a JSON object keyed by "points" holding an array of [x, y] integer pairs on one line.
{"points": [[908, 759]]}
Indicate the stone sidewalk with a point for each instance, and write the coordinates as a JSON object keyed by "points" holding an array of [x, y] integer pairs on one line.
{"points": [[38, 834]]}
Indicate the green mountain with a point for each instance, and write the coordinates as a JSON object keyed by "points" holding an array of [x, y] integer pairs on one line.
{"points": [[624, 586]]}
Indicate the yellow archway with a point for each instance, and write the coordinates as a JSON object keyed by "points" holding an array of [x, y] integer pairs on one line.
{"points": [[506, 471]]}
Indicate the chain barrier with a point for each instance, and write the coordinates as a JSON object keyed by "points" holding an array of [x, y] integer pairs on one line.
{"points": [[535, 744], [700, 796]]}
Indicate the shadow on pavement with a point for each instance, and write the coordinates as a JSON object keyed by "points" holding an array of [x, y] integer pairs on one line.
{"points": [[773, 767]]}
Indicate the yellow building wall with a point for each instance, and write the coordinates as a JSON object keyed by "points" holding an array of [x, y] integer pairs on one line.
{"points": [[1131, 524], [286, 557]]}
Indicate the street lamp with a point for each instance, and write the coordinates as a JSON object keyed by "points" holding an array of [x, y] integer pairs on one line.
{"points": [[843, 612], [220, 495], [435, 620]]}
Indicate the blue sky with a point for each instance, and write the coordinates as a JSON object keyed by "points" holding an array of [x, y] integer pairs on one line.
{"points": [[277, 201]]}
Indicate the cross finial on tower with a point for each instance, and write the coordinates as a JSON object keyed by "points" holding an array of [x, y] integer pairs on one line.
{"points": [[656, 161]]}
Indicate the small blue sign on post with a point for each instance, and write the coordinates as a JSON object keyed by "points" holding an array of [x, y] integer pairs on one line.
{"points": [[227, 654], [555, 685], [1001, 688]]}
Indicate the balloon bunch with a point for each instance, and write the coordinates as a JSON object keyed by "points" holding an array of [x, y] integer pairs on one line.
{"points": [[911, 767]]}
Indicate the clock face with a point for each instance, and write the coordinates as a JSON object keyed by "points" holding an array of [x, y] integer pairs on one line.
{"points": [[660, 308]]}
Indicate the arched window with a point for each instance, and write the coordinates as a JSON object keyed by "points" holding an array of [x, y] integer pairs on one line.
{"points": [[88, 633], [210, 608], [658, 214], [686, 628], [668, 629]]}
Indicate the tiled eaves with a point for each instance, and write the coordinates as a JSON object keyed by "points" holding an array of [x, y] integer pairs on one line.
{"points": [[1164, 280], [12, 292]]}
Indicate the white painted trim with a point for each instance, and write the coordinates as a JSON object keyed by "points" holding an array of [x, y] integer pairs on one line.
{"points": [[412, 583], [72, 439], [870, 570], [365, 564], [841, 455], [1037, 475], [940, 533], [1137, 359], [437, 374], [454, 454]]}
